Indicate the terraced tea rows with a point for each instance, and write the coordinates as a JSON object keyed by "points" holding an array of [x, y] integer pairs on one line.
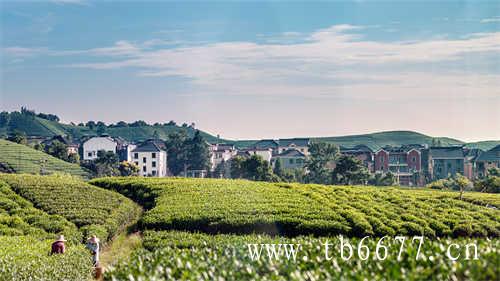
{"points": [[188, 256], [236, 206], [92, 209], [24, 159]]}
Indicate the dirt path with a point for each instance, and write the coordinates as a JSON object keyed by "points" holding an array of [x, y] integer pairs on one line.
{"points": [[120, 248]]}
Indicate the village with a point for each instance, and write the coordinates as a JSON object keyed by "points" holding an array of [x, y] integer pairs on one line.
{"points": [[411, 165]]}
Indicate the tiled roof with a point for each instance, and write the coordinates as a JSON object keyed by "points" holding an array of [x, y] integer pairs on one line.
{"points": [[454, 152], [266, 144], [291, 153], [149, 146], [490, 155]]}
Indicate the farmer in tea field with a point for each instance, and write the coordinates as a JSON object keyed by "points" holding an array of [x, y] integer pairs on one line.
{"points": [[58, 246], [93, 246]]}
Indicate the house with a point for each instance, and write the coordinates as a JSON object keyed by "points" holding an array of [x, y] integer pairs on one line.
{"points": [[362, 153], [300, 144], [220, 153], [266, 144], [470, 157], [445, 161], [94, 144], [488, 159], [404, 162], [151, 158], [290, 159], [265, 153]]}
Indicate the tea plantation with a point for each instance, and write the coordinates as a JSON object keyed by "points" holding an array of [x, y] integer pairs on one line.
{"points": [[23, 159]]}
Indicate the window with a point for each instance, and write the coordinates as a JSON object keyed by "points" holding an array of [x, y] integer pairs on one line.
{"points": [[90, 154], [153, 172], [143, 159], [136, 155], [290, 161], [302, 150], [414, 159], [136, 163], [153, 164], [153, 155], [144, 168]]}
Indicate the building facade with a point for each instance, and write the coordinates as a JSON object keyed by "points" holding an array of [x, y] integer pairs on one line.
{"points": [[151, 158], [404, 162], [290, 159], [445, 161], [96, 144]]}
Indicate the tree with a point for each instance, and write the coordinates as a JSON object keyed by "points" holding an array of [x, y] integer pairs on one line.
{"points": [[90, 124], [258, 169], [349, 170], [381, 179], [106, 164], [321, 154], [490, 183], [74, 158], [58, 150], [177, 152], [18, 137], [278, 169], [128, 169], [236, 164], [461, 183], [198, 154]]}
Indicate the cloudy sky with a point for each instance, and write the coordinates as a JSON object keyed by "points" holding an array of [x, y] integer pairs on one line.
{"points": [[259, 70]]}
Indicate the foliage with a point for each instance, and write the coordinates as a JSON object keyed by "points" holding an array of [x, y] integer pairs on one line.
{"points": [[490, 183], [257, 169], [106, 164], [26, 258], [195, 256], [128, 169], [238, 206], [321, 154], [75, 200], [27, 160], [58, 150], [18, 137], [198, 153], [177, 154], [381, 179], [349, 170]]}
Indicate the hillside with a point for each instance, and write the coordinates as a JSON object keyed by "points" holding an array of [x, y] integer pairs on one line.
{"points": [[23, 159], [38, 127]]}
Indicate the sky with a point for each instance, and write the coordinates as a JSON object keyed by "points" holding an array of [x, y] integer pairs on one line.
{"points": [[249, 70]]}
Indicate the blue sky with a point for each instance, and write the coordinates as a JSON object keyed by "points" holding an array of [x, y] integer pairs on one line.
{"points": [[259, 69]]}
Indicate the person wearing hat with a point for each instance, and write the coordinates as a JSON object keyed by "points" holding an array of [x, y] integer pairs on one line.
{"points": [[58, 246], [93, 246]]}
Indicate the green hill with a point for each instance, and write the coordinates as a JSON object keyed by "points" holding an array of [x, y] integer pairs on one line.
{"points": [[23, 159]]}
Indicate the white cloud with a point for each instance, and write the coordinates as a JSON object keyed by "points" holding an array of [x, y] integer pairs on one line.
{"points": [[490, 20]]}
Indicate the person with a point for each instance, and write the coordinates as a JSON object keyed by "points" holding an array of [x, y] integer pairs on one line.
{"points": [[93, 246], [58, 246]]}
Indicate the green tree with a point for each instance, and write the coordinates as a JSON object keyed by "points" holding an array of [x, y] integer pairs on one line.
{"points": [[349, 170], [278, 169], [198, 154], [177, 152], [128, 169], [321, 154], [381, 179], [490, 183], [461, 183], [18, 137], [74, 158], [106, 164], [258, 169], [236, 164], [58, 150]]}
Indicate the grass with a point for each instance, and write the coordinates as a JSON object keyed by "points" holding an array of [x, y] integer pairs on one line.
{"points": [[23, 159]]}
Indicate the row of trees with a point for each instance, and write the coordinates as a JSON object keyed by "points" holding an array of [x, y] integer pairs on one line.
{"points": [[490, 183]]}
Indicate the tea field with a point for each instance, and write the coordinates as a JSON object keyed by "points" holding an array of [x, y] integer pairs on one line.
{"points": [[244, 207], [92, 209], [23, 159]]}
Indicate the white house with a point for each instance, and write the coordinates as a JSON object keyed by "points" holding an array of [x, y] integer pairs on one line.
{"points": [[265, 153], [220, 153], [95, 144], [151, 158]]}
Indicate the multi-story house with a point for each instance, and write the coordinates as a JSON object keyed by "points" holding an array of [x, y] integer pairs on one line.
{"points": [[290, 159], [404, 162], [151, 158], [446, 161], [361, 152], [265, 153], [220, 153], [95, 144], [488, 159]]}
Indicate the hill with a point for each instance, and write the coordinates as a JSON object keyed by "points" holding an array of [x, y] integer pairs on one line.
{"points": [[34, 126], [23, 159]]}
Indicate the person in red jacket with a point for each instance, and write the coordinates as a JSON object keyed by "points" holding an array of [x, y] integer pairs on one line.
{"points": [[58, 246]]}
